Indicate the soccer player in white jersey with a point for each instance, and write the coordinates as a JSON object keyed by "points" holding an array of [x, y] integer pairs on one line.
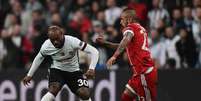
{"points": [[65, 67]]}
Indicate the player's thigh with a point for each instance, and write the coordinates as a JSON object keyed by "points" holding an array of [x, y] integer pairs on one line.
{"points": [[77, 83], [56, 81], [152, 81], [135, 87]]}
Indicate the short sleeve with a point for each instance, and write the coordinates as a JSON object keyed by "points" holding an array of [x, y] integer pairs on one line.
{"points": [[127, 29]]}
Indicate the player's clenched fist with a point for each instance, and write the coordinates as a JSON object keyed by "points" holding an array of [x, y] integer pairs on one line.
{"points": [[90, 74], [26, 80]]}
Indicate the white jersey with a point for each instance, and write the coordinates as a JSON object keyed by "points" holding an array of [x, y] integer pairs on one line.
{"points": [[65, 58]]}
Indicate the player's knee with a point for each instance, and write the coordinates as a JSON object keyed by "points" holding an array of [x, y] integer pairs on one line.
{"points": [[54, 88], [126, 97], [84, 93]]}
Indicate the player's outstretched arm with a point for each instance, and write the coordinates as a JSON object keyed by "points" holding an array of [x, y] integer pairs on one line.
{"points": [[124, 42], [37, 61], [105, 43], [94, 55]]}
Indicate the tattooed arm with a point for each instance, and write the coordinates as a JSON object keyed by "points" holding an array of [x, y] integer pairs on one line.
{"points": [[128, 35], [105, 43], [111, 45], [126, 39]]}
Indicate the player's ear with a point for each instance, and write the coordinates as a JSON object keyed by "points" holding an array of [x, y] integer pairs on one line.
{"points": [[62, 31], [130, 19]]}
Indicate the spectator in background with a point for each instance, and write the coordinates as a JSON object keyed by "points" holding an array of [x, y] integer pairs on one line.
{"points": [[33, 5], [112, 13], [81, 24], [177, 20], [161, 26], [39, 37], [196, 3], [186, 49], [170, 64], [95, 7], [158, 49], [97, 30], [14, 24], [52, 8], [56, 20], [112, 34], [157, 46], [80, 4], [170, 43], [140, 8], [3, 52], [187, 17], [24, 17], [157, 13], [196, 28], [38, 30], [100, 16], [13, 44], [37, 18], [27, 38], [30, 6], [17, 11]]}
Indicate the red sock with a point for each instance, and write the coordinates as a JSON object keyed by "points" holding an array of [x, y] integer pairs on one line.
{"points": [[126, 97]]}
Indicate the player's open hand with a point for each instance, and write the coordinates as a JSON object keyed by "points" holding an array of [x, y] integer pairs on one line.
{"points": [[90, 74], [110, 62], [27, 80]]}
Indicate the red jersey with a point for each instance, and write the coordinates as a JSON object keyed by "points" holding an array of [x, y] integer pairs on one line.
{"points": [[137, 50]]}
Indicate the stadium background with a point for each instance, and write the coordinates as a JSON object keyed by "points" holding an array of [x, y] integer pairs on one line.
{"points": [[174, 28]]}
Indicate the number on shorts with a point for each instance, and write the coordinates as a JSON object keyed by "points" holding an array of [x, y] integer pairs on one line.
{"points": [[82, 82]]}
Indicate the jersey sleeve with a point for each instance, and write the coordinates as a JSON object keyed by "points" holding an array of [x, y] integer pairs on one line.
{"points": [[43, 48], [78, 44], [128, 29], [36, 63], [94, 55]]}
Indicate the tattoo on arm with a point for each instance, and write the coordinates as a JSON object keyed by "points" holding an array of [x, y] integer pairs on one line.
{"points": [[124, 42], [111, 45]]}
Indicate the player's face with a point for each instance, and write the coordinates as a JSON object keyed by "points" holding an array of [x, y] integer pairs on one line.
{"points": [[123, 21], [57, 39]]}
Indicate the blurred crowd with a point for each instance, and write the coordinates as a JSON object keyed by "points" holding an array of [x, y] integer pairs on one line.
{"points": [[174, 28]]}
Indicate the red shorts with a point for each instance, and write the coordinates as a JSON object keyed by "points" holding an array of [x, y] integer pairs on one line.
{"points": [[144, 85]]}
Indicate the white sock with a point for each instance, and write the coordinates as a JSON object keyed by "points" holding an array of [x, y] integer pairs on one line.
{"points": [[86, 100], [48, 97]]}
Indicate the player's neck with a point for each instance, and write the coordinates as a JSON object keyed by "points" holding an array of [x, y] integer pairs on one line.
{"points": [[63, 42]]}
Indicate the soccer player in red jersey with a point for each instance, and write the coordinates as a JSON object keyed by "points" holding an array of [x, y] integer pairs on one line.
{"points": [[142, 85]]}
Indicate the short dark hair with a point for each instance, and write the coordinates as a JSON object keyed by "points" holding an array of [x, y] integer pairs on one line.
{"points": [[55, 28]]}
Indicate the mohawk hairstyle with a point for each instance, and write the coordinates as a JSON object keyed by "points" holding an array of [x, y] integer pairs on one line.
{"points": [[127, 8], [131, 12]]}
